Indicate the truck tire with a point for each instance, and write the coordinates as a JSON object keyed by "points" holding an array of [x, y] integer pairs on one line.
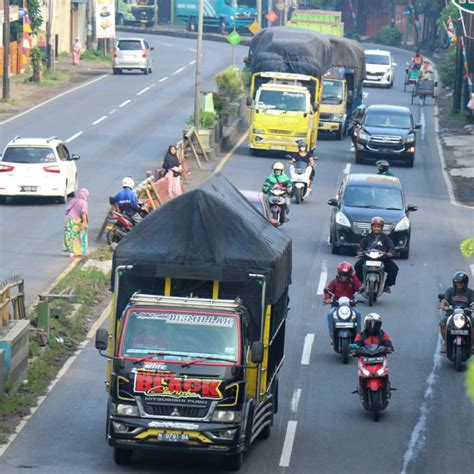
{"points": [[222, 26], [340, 133], [192, 24], [234, 462]]}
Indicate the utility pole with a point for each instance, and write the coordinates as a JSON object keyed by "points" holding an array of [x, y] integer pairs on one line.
{"points": [[197, 86], [50, 35], [156, 14], [259, 12], [6, 50]]}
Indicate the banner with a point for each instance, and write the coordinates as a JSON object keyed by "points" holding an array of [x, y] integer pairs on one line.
{"points": [[105, 18]]}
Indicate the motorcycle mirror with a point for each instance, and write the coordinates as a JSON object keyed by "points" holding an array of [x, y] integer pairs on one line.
{"points": [[248, 101], [441, 296], [467, 311]]}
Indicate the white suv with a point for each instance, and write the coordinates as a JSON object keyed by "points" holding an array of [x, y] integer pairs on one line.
{"points": [[132, 53], [37, 167], [379, 68]]}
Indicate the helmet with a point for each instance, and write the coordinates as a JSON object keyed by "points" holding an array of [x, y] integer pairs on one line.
{"points": [[373, 323], [302, 144], [128, 182], [383, 166], [460, 277], [278, 168], [377, 220], [344, 271], [360, 110]]}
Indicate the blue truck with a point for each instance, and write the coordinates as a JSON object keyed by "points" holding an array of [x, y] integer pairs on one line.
{"points": [[223, 15]]}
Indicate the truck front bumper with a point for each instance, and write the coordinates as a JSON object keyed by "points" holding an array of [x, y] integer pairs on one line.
{"points": [[329, 126], [275, 142]]}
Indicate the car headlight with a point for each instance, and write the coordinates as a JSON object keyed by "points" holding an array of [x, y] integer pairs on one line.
{"points": [[459, 321], [258, 130], [341, 219], [410, 138], [403, 224], [124, 410], [344, 312], [364, 136], [226, 416]]}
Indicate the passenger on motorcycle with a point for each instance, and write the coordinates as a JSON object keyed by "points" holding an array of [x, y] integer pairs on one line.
{"points": [[304, 155], [458, 295], [373, 333], [383, 168], [380, 241], [356, 121], [278, 176], [347, 284], [127, 200]]}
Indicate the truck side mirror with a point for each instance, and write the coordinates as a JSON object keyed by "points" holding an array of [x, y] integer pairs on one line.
{"points": [[417, 126], [248, 101], [314, 107], [332, 202], [256, 352], [101, 339], [75, 156], [412, 208]]}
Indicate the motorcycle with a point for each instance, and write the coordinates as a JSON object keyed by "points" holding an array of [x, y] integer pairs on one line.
{"points": [[277, 202], [119, 224], [300, 174], [373, 270], [374, 385], [458, 334], [345, 324]]}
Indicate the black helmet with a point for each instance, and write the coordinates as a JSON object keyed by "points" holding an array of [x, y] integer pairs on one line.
{"points": [[382, 165], [373, 323], [460, 277]]}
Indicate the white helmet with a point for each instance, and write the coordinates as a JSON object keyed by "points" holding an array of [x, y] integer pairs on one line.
{"points": [[128, 182]]}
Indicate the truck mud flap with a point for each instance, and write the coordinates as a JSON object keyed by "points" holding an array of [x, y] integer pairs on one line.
{"points": [[263, 416]]}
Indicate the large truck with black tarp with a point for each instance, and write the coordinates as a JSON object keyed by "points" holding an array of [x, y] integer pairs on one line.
{"points": [[197, 329], [287, 65]]}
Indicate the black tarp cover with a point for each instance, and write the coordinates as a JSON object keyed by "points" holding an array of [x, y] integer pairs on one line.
{"points": [[209, 233], [285, 49], [350, 54]]}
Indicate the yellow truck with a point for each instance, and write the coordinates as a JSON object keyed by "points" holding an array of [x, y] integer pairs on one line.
{"points": [[333, 110]]}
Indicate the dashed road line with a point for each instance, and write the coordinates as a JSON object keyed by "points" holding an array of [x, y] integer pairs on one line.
{"points": [[423, 124], [347, 168], [163, 79], [192, 49], [308, 344], [192, 62], [295, 400], [101, 119], [323, 278], [165, 44], [112, 111], [73, 137], [471, 266], [181, 69], [288, 443], [124, 103], [143, 90]]}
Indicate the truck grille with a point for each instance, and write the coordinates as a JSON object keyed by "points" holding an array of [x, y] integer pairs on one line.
{"points": [[280, 132], [361, 226], [178, 411], [324, 116]]}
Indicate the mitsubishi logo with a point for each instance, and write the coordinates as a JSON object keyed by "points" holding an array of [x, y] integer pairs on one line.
{"points": [[175, 412]]}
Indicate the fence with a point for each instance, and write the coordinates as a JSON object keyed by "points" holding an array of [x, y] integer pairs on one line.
{"points": [[12, 301]]}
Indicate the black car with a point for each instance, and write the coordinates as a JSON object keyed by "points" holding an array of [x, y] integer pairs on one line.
{"points": [[361, 197], [388, 132]]}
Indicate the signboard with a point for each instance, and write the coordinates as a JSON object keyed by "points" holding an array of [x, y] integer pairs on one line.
{"points": [[234, 38], [254, 28], [271, 17], [105, 18], [465, 5]]}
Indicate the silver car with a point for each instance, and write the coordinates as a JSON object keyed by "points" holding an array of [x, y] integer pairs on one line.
{"points": [[132, 53]]}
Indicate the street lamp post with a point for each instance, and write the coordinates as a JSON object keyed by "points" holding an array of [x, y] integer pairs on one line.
{"points": [[197, 85], [6, 50]]}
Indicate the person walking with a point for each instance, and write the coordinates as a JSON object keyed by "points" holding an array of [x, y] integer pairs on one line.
{"points": [[172, 169], [76, 51], [76, 225]]}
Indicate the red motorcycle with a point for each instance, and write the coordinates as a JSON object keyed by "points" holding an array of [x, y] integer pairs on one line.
{"points": [[374, 385], [120, 224]]}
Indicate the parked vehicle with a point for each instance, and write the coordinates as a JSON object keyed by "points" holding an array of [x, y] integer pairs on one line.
{"points": [[411, 76], [120, 224], [425, 88], [196, 338], [374, 384], [136, 11], [380, 68], [132, 53], [373, 270], [38, 167], [387, 132], [361, 197], [300, 174], [260, 202]]}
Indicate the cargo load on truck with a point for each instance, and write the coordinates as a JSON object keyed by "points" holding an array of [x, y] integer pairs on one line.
{"points": [[323, 21], [349, 54]]}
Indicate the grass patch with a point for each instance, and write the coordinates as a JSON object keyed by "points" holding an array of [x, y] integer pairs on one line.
{"points": [[96, 55], [54, 77]]}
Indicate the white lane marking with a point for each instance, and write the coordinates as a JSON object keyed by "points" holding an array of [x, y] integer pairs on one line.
{"points": [[192, 62], [143, 90], [295, 400], [163, 79], [101, 119], [288, 443], [417, 438], [124, 103], [347, 168], [112, 111], [423, 124], [471, 266], [323, 278], [165, 44], [181, 69], [192, 49], [73, 137], [53, 98], [308, 344]]}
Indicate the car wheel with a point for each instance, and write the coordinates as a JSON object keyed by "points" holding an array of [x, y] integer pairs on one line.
{"points": [[3, 199], [340, 133], [145, 71], [76, 187], [63, 199], [410, 162], [335, 250], [150, 70], [116, 70], [254, 151], [405, 253]]}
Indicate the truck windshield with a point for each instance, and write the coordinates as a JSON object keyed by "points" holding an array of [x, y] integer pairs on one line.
{"points": [[232, 3], [377, 59], [387, 120], [332, 92], [282, 100], [373, 197], [180, 335]]}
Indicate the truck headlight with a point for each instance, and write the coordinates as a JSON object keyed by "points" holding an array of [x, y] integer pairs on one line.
{"points": [[124, 409], [364, 136], [258, 130], [337, 117], [341, 219], [403, 224], [226, 416]]}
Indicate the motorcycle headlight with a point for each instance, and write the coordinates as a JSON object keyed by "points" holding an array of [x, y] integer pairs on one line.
{"points": [[459, 321], [344, 312], [124, 409], [364, 371], [381, 371], [364, 136], [226, 416], [341, 219], [258, 130], [403, 224], [410, 138]]}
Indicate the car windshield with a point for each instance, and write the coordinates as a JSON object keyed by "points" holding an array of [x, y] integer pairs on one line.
{"points": [[332, 92], [285, 101], [387, 120], [180, 335], [377, 59], [373, 197], [28, 154], [129, 45]]}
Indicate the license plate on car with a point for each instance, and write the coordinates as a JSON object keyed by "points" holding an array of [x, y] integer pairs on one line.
{"points": [[459, 332], [173, 437], [28, 189], [373, 264]]}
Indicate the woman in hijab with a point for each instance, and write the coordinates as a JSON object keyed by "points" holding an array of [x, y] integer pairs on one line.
{"points": [[76, 225], [172, 169], [76, 51]]}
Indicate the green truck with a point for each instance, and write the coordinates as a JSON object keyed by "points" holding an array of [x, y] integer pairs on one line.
{"points": [[322, 21]]}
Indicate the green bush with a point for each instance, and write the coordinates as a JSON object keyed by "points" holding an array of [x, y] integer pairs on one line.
{"points": [[247, 77], [206, 120], [447, 68], [218, 105], [229, 82], [389, 35]]}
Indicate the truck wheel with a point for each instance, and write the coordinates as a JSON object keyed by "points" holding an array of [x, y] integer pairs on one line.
{"points": [[234, 462], [340, 133], [122, 456], [222, 26], [192, 24]]}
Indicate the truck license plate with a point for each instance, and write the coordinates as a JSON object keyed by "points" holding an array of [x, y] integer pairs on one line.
{"points": [[173, 437], [28, 189], [277, 147]]}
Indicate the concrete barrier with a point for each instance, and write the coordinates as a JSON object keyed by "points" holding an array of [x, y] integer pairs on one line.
{"points": [[2, 370]]}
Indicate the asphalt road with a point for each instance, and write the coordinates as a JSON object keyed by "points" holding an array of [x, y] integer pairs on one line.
{"points": [[429, 424]]}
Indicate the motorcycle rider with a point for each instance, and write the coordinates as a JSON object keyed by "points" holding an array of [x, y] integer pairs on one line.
{"points": [[304, 155], [278, 176], [383, 168], [379, 241], [356, 121], [127, 200], [457, 295], [345, 283], [373, 333]]}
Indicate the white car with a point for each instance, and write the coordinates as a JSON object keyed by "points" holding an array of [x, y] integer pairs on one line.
{"points": [[132, 53], [37, 167], [379, 68]]}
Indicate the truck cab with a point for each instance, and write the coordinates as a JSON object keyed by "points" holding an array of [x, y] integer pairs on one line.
{"points": [[333, 109]]}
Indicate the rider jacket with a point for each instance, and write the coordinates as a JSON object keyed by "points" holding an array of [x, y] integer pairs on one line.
{"points": [[380, 242], [273, 179], [307, 157], [127, 201], [382, 338], [457, 297], [343, 288]]}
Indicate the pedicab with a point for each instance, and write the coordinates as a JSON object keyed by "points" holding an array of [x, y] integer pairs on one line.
{"points": [[425, 88], [411, 77]]}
